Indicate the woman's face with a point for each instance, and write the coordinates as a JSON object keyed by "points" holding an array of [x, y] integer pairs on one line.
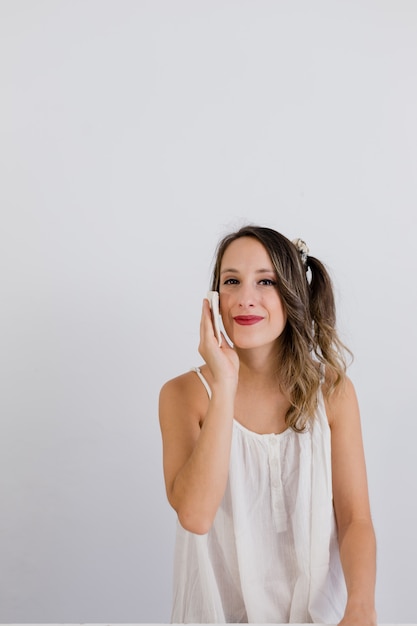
{"points": [[250, 305]]}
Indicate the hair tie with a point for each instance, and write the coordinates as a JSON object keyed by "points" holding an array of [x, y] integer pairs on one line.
{"points": [[302, 249]]}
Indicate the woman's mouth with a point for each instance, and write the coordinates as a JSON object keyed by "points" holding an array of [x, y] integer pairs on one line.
{"points": [[247, 320]]}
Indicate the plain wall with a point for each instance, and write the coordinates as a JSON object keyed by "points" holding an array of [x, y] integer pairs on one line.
{"points": [[134, 134]]}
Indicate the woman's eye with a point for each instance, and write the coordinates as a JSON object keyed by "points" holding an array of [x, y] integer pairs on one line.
{"points": [[268, 281], [231, 281]]}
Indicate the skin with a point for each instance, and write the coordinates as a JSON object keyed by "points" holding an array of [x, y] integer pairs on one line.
{"points": [[197, 432]]}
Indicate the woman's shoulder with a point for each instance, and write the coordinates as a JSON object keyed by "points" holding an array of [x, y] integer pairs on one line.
{"points": [[187, 381], [339, 399], [177, 382], [184, 393]]}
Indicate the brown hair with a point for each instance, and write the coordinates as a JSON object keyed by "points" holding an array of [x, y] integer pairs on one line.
{"points": [[310, 337]]}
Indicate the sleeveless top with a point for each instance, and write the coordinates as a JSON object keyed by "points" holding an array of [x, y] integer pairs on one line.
{"points": [[272, 554]]}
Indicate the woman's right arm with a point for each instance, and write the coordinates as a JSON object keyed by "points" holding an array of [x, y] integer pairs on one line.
{"points": [[196, 457]]}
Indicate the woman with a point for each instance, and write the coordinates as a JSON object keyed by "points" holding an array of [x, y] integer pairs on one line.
{"points": [[262, 451]]}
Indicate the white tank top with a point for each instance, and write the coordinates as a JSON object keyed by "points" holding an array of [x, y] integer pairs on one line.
{"points": [[271, 555]]}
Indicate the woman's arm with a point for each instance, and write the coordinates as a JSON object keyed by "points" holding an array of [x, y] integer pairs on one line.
{"points": [[196, 439], [351, 501]]}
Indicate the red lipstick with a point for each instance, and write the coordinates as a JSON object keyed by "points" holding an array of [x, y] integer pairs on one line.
{"points": [[247, 320]]}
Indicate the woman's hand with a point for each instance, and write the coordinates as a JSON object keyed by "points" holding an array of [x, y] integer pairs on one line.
{"points": [[222, 361]]}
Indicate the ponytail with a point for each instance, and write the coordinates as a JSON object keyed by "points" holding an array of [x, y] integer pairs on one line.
{"points": [[326, 344]]}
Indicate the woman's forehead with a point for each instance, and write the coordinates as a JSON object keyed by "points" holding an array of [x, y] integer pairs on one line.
{"points": [[243, 251]]}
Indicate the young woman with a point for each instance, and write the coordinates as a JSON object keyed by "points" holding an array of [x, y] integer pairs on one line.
{"points": [[262, 451]]}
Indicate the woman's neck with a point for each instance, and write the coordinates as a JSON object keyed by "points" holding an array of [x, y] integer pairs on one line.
{"points": [[260, 366]]}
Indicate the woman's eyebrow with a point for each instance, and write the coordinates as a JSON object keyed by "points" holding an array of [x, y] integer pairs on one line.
{"points": [[263, 270]]}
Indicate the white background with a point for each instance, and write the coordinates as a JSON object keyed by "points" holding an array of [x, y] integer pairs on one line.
{"points": [[134, 134]]}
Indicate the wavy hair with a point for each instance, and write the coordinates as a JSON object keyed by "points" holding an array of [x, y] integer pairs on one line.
{"points": [[309, 342]]}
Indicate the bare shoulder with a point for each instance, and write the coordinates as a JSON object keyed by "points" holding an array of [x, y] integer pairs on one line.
{"points": [[179, 384], [341, 403], [183, 397]]}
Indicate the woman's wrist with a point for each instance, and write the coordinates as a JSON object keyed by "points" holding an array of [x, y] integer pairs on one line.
{"points": [[360, 610], [224, 388]]}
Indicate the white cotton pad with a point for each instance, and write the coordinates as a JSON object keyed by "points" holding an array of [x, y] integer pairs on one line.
{"points": [[213, 298]]}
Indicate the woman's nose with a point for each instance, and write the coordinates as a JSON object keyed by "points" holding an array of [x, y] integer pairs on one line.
{"points": [[246, 297]]}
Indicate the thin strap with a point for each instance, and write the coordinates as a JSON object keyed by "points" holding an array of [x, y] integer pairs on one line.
{"points": [[203, 380]]}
